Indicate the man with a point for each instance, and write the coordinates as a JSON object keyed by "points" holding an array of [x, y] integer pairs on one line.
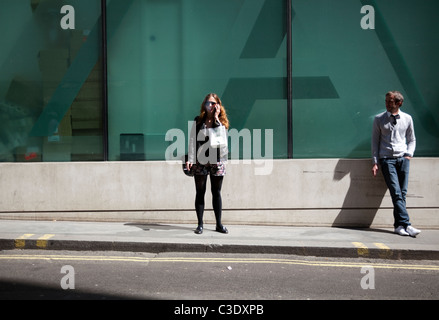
{"points": [[393, 145]]}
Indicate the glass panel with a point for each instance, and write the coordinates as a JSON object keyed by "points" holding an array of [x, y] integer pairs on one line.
{"points": [[165, 56], [342, 70], [50, 81]]}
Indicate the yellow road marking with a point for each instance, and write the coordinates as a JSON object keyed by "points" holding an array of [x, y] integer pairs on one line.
{"points": [[386, 252], [221, 260], [42, 241], [361, 249], [20, 242]]}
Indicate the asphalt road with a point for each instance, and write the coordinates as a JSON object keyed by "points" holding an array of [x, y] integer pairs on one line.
{"points": [[42, 274]]}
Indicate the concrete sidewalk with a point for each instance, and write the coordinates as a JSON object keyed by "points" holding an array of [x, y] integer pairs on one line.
{"points": [[139, 237]]}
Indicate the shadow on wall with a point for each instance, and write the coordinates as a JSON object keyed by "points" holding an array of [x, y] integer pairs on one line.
{"points": [[364, 196]]}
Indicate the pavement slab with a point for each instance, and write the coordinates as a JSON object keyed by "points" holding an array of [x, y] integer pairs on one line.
{"points": [[146, 237]]}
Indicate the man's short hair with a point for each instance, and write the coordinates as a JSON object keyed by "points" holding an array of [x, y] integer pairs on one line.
{"points": [[396, 95]]}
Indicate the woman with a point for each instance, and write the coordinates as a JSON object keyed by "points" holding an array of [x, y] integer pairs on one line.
{"points": [[203, 160]]}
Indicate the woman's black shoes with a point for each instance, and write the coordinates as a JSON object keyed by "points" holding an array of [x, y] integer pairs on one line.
{"points": [[199, 230], [221, 229]]}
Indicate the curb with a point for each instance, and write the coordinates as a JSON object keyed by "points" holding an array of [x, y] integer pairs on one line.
{"points": [[153, 247]]}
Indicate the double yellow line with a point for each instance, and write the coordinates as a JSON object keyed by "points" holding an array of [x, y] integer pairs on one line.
{"points": [[224, 260], [41, 242]]}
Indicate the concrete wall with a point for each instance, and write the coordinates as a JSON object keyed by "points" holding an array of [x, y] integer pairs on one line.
{"points": [[325, 192]]}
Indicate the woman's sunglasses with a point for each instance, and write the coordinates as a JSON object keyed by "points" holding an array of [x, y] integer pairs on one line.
{"points": [[210, 103]]}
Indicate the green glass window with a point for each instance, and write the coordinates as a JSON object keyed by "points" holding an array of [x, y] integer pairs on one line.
{"points": [[346, 56], [50, 81], [165, 56]]}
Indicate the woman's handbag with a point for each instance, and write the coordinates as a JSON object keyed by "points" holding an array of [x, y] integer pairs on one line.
{"points": [[218, 137]]}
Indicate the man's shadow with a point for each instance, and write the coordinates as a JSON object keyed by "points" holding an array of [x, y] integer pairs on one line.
{"points": [[365, 194]]}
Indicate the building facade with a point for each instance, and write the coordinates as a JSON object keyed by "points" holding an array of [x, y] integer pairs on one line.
{"points": [[107, 81]]}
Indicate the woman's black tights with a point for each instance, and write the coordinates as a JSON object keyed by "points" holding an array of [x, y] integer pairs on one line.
{"points": [[200, 186]]}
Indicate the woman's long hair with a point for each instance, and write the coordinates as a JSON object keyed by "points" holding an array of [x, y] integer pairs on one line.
{"points": [[222, 116]]}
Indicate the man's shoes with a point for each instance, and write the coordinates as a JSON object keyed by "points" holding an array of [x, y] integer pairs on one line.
{"points": [[222, 229], [413, 232], [199, 230], [401, 231]]}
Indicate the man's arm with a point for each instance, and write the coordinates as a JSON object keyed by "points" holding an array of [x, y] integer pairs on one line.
{"points": [[411, 140]]}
